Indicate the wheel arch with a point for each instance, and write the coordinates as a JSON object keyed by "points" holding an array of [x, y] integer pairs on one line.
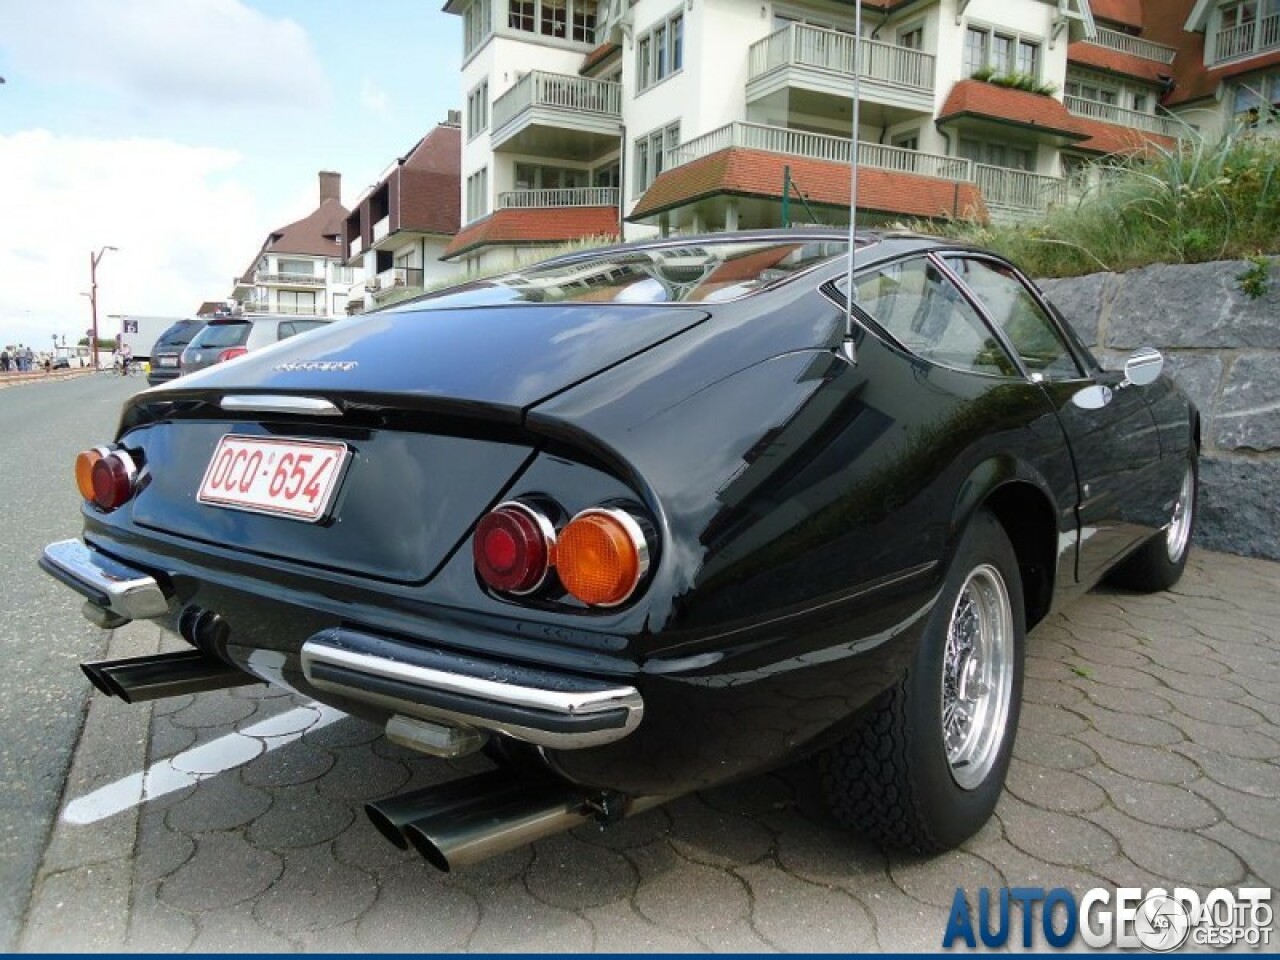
{"points": [[1025, 511]]}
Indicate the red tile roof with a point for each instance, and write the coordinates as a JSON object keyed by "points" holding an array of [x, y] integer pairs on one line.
{"points": [[598, 56], [1113, 61], [1111, 139], [310, 235], [1033, 111], [522, 227], [738, 171], [1126, 12]]}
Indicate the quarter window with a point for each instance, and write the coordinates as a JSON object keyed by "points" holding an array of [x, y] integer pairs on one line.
{"points": [[916, 304], [1019, 316]]}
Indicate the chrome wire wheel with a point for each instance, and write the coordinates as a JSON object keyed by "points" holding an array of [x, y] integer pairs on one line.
{"points": [[977, 676], [1178, 533]]}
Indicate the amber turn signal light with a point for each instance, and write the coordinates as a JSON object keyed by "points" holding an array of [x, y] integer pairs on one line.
{"points": [[84, 470], [601, 556]]}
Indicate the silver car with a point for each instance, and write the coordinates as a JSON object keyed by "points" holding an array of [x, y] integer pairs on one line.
{"points": [[226, 339]]}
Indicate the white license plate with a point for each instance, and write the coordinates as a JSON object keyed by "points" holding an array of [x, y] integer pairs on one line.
{"points": [[166, 361], [288, 478]]}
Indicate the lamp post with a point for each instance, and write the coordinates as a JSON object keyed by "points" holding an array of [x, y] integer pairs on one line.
{"points": [[94, 259]]}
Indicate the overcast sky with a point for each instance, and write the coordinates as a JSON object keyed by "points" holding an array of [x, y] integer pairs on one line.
{"points": [[182, 132]]}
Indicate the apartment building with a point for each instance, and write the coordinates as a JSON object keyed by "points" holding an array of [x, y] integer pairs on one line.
{"points": [[623, 117], [299, 270], [399, 228]]}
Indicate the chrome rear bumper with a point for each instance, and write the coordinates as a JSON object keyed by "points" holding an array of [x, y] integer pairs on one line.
{"points": [[107, 584], [548, 709]]}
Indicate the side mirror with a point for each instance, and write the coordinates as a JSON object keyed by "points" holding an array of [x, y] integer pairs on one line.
{"points": [[1143, 367]]}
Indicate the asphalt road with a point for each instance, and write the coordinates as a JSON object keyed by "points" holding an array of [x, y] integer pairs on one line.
{"points": [[42, 635]]}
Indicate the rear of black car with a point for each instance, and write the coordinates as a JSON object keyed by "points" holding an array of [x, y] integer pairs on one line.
{"points": [[166, 355]]}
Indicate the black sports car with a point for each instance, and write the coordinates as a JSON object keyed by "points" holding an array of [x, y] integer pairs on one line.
{"points": [[644, 519]]}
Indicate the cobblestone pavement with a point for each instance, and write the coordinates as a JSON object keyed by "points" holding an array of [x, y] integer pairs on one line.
{"points": [[1148, 755]]}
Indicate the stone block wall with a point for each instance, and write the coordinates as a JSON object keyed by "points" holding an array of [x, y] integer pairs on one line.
{"points": [[1223, 348]]}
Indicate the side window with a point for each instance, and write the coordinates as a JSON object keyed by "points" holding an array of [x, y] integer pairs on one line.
{"points": [[285, 331], [1015, 311], [915, 302]]}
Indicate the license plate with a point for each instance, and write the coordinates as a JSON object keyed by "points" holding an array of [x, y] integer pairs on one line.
{"points": [[287, 478], [166, 361]]}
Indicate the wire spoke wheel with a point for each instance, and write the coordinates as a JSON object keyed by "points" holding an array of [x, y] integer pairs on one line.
{"points": [[977, 676], [1178, 533]]}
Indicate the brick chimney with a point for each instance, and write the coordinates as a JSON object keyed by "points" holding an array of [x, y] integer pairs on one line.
{"points": [[330, 186]]}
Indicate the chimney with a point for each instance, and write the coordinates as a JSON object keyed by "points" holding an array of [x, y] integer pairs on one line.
{"points": [[330, 186], [454, 119]]}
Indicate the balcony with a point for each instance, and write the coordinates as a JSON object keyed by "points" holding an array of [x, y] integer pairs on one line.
{"points": [[288, 279], [1132, 119], [1134, 46], [1247, 39], [290, 310], [572, 197], [814, 64], [355, 248], [1004, 189], [558, 116], [381, 229], [403, 279]]}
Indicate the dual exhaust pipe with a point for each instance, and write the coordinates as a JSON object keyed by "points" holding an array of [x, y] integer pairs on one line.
{"points": [[465, 821]]}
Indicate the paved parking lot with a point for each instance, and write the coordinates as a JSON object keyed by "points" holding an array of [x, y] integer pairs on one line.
{"points": [[1148, 755]]}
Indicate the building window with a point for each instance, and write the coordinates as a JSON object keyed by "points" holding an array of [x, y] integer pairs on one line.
{"points": [[296, 301], [908, 141], [1257, 98], [340, 274], [478, 194], [554, 18], [660, 51], [530, 176], [339, 304], [295, 268], [996, 154], [651, 155], [477, 24], [478, 108], [1140, 103], [1088, 89], [912, 39], [1002, 54]]}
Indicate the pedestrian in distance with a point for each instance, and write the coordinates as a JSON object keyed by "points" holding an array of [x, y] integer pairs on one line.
{"points": [[4, 361]]}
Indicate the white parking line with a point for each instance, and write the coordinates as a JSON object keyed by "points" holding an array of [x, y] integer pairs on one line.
{"points": [[199, 763]]}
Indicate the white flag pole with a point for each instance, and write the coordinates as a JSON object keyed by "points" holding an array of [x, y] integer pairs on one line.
{"points": [[853, 179]]}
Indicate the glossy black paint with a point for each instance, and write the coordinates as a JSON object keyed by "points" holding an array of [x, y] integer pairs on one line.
{"points": [[805, 509]]}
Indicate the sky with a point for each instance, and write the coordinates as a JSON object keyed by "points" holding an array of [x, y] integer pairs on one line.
{"points": [[183, 132]]}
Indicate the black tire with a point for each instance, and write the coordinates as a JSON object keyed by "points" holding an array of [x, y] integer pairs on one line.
{"points": [[1151, 568], [891, 778]]}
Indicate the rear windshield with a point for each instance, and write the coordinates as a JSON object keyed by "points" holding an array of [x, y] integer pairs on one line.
{"points": [[179, 335], [697, 273], [223, 335]]}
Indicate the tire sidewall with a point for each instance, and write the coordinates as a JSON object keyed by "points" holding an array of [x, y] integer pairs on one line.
{"points": [[956, 813]]}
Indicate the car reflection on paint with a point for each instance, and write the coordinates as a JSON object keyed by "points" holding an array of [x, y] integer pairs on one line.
{"points": [[640, 520]]}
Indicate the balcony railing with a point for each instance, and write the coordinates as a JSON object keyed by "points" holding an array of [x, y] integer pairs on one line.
{"points": [[558, 91], [797, 45], [1109, 112], [1001, 186], [1005, 187], [402, 277], [292, 310], [571, 197], [290, 279], [1247, 39], [355, 248], [381, 229], [1135, 46]]}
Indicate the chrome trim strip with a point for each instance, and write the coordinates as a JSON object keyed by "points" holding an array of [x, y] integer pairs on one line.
{"points": [[279, 403], [565, 703], [130, 593]]}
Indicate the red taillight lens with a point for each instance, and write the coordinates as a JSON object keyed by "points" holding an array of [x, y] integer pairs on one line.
{"points": [[231, 353], [512, 548], [113, 477], [601, 556]]}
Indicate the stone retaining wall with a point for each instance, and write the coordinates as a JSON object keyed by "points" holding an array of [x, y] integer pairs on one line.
{"points": [[1224, 349]]}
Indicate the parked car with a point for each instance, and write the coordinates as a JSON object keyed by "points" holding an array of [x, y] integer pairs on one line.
{"points": [[166, 354], [227, 338], [641, 520]]}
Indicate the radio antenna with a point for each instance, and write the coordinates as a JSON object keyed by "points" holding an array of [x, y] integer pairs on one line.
{"points": [[848, 346]]}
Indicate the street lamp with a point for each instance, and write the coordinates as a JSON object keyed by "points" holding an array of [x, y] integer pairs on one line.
{"points": [[94, 259]]}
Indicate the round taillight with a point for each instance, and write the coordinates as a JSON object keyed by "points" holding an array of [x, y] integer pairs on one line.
{"points": [[231, 353], [512, 548], [113, 477], [601, 556], [84, 470]]}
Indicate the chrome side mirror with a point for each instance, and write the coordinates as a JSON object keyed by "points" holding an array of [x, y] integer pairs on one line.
{"points": [[1142, 367]]}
